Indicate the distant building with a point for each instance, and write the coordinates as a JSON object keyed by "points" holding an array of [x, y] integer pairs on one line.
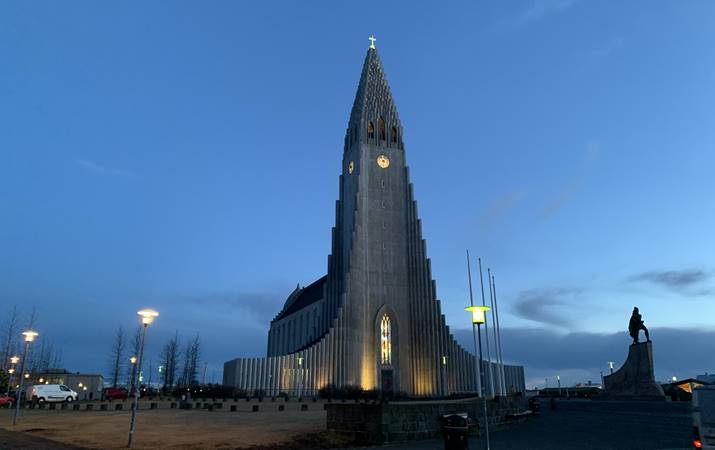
{"points": [[682, 391], [707, 378], [87, 386]]}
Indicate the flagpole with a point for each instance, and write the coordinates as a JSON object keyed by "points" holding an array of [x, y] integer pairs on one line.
{"points": [[486, 333], [494, 330], [501, 356]]}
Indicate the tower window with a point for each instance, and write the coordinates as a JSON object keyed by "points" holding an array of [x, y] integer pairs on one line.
{"points": [[386, 340], [381, 123], [393, 135], [370, 130]]}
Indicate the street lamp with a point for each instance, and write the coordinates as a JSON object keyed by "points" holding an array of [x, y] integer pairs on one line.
{"points": [[13, 361], [29, 337], [147, 317], [558, 381], [478, 318], [610, 366]]}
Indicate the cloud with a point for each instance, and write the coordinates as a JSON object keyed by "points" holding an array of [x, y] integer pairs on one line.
{"points": [[543, 305], [259, 306], [500, 206], [590, 156], [686, 281], [581, 356], [538, 10], [103, 170], [610, 47]]}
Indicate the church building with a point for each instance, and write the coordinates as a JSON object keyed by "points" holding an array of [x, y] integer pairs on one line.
{"points": [[374, 321]]}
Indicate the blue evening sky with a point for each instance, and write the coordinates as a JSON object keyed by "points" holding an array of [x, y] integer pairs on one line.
{"points": [[185, 156]]}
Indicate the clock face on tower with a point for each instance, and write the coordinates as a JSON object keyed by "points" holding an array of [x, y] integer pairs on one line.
{"points": [[351, 167], [383, 161]]}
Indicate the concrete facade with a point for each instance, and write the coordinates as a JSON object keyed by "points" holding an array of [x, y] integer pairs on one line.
{"points": [[330, 332]]}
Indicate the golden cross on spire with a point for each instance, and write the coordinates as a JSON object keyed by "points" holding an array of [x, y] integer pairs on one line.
{"points": [[372, 41]]}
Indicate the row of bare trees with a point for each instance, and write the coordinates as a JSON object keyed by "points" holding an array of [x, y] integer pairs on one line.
{"points": [[42, 356], [179, 362]]}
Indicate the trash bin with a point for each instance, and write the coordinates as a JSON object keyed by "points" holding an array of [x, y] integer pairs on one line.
{"points": [[455, 429]]}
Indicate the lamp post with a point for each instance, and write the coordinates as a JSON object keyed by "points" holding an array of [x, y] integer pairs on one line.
{"points": [[558, 381], [11, 371], [478, 319], [29, 336], [147, 317], [610, 366], [133, 362]]}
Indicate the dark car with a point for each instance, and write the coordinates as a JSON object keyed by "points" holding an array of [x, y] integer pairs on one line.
{"points": [[115, 394]]}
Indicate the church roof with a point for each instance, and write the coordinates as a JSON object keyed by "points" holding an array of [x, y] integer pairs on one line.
{"points": [[302, 297], [373, 98]]}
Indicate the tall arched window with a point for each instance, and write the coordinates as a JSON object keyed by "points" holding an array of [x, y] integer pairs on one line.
{"points": [[381, 124], [370, 130], [393, 135], [386, 340]]}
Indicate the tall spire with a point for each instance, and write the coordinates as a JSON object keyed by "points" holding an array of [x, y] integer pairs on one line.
{"points": [[373, 101]]}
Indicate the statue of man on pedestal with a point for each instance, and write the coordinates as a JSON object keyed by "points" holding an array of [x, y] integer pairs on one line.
{"points": [[636, 325]]}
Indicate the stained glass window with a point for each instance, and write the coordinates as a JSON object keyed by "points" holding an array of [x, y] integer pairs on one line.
{"points": [[386, 340]]}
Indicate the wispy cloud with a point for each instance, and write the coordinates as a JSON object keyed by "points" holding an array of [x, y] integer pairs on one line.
{"points": [[500, 206], [611, 46], [543, 305], [260, 307], [536, 11], [103, 170], [590, 156], [687, 281]]}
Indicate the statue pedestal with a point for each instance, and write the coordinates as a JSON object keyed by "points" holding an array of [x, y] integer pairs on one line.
{"points": [[635, 380]]}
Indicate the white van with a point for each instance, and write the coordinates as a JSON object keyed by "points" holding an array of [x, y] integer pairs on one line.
{"points": [[704, 417], [53, 393]]}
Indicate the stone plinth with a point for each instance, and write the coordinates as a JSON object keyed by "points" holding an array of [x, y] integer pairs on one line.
{"points": [[635, 380], [412, 420]]}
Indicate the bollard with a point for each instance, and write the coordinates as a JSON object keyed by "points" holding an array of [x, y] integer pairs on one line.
{"points": [[153, 405], [233, 408], [118, 407], [89, 407], [75, 407], [281, 407], [304, 407], [273, 399], [211, 407], [103, 407], [255, 408], [41, 406], [198, 405], [52, 406], [63, 406], [172, 405]]}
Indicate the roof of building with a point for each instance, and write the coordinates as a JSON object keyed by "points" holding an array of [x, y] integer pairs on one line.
{"points": [[302, 297]]}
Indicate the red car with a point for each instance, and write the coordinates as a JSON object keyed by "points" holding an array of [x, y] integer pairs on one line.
{"points": [[115, 394], [6, 401]]}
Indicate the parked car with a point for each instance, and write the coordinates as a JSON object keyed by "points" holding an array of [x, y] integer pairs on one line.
{"points": [[704, 417], [53, 393], [115, 394], [6, 401]]}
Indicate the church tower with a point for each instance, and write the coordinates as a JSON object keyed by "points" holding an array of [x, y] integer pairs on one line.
{"points": [[374, 320]]}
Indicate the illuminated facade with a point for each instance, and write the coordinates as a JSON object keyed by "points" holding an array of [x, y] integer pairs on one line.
{"points": [[374, 320]]}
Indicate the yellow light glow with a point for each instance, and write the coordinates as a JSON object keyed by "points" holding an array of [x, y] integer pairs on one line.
{"points": [[14, 359], [675, 378], [148, 316], [11, 371], [133, 360], [47, 382], [444, 360], [42, 380], [84, 388], [300, 360], [80, 385], [27, 375], [478, 316], [30, 335]]}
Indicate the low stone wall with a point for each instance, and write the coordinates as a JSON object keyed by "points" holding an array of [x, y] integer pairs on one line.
{"points": [[381, 423]]}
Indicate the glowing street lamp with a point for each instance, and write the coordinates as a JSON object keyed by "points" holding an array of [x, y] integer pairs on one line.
{"points": [[14, 360], [478, 318], [29, 336], [610, 366], [147, 316]]}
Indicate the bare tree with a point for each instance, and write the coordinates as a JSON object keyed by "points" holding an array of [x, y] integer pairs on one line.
{"points": [[170, 360], [192, 355], [116, 357], [10, 338], [134, 351]]}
